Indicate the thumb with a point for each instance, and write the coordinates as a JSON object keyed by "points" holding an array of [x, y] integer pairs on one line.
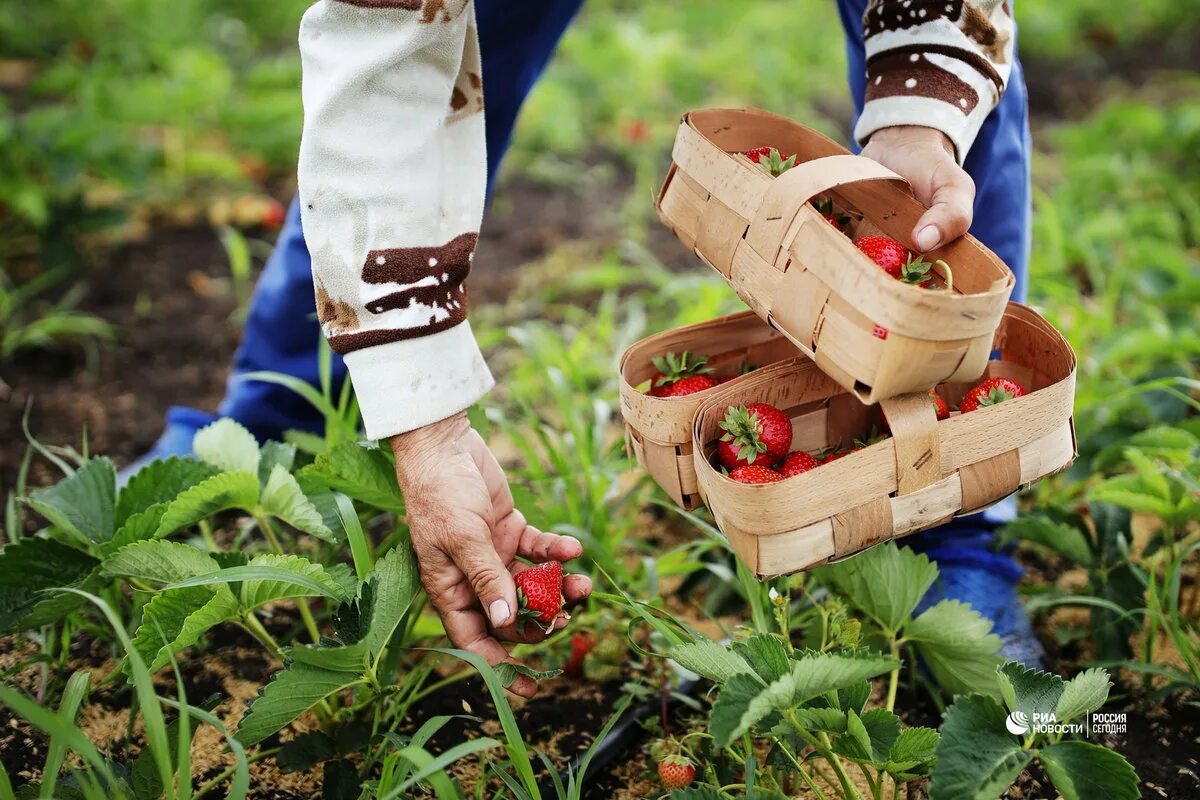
{"points": [[476, 556], [950, 207]]}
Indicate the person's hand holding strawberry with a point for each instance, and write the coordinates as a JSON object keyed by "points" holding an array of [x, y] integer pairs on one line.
{"points": [[925, 158], [467, 536]]}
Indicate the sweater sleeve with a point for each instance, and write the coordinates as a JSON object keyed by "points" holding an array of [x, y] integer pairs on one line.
{"points": [[392, 177], [936, 63]]}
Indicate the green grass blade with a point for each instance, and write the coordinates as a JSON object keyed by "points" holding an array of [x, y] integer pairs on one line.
{"points": [[73, 697], [360, 547], [434, 768]]}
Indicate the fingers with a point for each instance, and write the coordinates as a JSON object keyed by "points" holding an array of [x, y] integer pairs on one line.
{"points": [[474, 554], [467, 629], [539, 546], [576, 588], [950, 206]]}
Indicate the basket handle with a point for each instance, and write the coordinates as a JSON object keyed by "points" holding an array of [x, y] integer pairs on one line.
{"points": [[772, 230], [914, 425]]}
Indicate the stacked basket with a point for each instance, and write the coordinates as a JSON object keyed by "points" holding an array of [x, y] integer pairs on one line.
{"points": [[842, 348]]}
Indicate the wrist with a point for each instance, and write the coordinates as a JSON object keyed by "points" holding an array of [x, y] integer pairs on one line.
{"points": [[900, 135], [416, 449]]}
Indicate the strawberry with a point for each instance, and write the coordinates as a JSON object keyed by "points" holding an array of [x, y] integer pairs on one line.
{"points": [[990, 392], [689, 385], [751, 431], [939, 405], [896, 261], [274, 214], [755, 473], [676, 772], [798, 462], [539, 591], [837, 219], [582, 643], [770, 160], [834, 455], [673, 367]]}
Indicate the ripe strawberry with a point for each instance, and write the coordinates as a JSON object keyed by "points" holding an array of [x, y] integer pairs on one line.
{"points": [[688, 385], [939, 405], [770, 160], [676, 772], [539, 591], [989, 393], [274, 214], [837, 219], [798, 462], [755, 473], [753, 431], [582, 643], [673, 367], [834, 455], [884, 251]]}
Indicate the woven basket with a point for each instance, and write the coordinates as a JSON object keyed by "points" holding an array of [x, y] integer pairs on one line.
{"points": [[659, 429], [924, 474], [874, 335]]}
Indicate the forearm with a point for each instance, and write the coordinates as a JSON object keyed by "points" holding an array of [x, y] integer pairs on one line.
{"points": [[392, 177], [941, 65]]}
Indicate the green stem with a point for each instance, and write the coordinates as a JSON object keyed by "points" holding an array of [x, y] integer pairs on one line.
{"points": [[812, 785], [826, 750], [256, 629], [894, 677], [310, 624], [224, 776]]}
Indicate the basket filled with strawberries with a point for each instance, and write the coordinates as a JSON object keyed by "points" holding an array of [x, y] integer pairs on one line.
{"points": [[798, 472], [817, 242], [665, 377]]}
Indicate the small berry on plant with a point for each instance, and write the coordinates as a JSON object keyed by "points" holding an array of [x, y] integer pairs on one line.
{"points": [[676, 772]]}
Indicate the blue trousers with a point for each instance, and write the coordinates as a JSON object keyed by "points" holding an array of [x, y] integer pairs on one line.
{"points": [[517, 40]]}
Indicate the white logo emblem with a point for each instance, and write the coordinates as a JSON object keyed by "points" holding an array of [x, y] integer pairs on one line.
{"points": [[1017, 723]]}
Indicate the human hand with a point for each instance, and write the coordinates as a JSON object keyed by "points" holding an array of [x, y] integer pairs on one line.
{"points": [[925, 158], [467, 535]]}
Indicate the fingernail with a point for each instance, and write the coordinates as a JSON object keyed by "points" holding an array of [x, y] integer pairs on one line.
{"points": [[498, 611], [928, 238]]}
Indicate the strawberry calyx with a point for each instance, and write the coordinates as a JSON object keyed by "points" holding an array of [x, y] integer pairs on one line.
{"points": [[770, 160], [675, 366], [994, 396], [917, 271], [744, 430]]}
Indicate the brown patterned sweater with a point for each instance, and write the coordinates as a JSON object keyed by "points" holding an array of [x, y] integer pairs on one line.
{"points": [[393, 171]]}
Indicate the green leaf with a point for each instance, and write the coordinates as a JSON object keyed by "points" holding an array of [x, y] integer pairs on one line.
{"points": [[856, 743], [158, 561], [1028, 690], [509, 672], [1132, 492], [30, 565], [1085, 771], [227, 446], [869, 738], [1061, 537], [268, 573], [913, 754], [830, 720], [352, 619], [351, 658], [257, 592], [766, 655], [325, 500], [886, 582], [137, 527], [176, 619], [1083, 694], [396, 585], [364, 473], [711, 660], [958, 646], [697, 793], [283, 498], [289, 694], [305, 751], [854, 697], [83, 503], [275, 453], [744, 700], [977, 758], [220, 492], [160, 481]]}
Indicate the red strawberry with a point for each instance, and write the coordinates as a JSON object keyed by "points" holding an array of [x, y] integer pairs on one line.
{"points": [[582, 643], [990, 392], [755, 473], [676, 772], [837, 219], [539, 591], [274, 214], [688, 385], [673, 367], [834, 455], [884, 251], [939, 405], [798, 462], [770, 160], [753, 431]]}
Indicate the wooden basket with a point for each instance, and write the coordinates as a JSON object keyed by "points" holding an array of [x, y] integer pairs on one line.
{"points": [[659, 429], [876, 336], [926, 473]]}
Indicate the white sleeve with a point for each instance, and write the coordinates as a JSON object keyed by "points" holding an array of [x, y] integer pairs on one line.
{"points": [[392, 177]]}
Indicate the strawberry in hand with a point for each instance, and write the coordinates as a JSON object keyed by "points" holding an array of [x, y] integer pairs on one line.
{"points": [[539, 593], [756, 433], [990, 392]]}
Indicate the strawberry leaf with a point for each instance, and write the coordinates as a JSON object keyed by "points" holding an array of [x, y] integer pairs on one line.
{"points": [[957, 645], [977, 758], [227, 446], [83, 503], [1083, 771]]}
